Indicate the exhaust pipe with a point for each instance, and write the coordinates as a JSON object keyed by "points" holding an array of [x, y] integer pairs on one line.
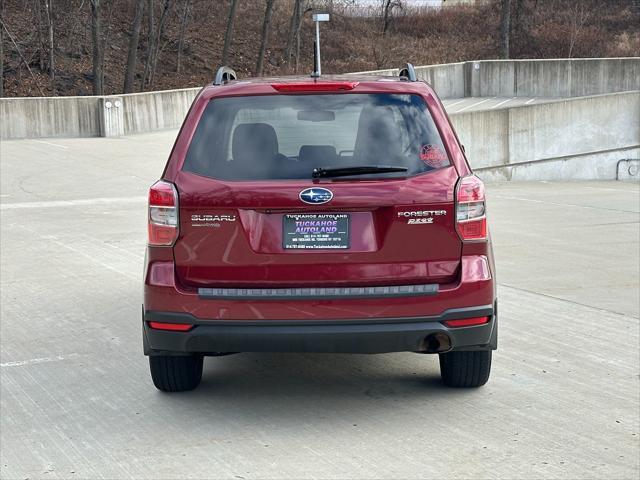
{"points": [[436, 343]]}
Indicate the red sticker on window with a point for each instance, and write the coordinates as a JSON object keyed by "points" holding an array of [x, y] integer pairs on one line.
{"points": [[433, 156]]}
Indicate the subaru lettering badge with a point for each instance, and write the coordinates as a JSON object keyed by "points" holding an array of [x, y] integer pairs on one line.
{"points": [[316, 195]]}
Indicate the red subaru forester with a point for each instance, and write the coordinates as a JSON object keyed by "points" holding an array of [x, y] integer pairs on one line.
{"points": [[333, 214]]}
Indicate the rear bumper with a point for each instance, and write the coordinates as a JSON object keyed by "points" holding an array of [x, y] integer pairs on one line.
{"points": [[164, 293], [343, 336]]}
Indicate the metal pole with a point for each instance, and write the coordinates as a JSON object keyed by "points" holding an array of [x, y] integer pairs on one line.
{"points": [[319, 70], [317, 18]]}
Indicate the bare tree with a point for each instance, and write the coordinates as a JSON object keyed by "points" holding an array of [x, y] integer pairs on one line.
{"points": [[166, 10], [37, 9], [505, 27], [98, 47], [150, 43], [380, 54], [516, 25], [186, 6], [229, 33], [132, 52], [49, 7], [263, 38], [297, 61], [388, 6], [292, 50], [294, 25], [24, 60], [1, 50], [578, 15]]}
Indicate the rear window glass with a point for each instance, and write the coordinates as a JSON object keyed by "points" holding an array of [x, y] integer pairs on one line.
{"points": [[286, 136]]}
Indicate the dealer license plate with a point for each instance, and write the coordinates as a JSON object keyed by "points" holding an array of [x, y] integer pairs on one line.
{"points": [[315, 231]]}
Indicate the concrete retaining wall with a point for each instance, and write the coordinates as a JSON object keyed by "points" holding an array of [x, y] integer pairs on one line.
{"points": [[551, 78], [595, 166], [582, 137], [34, 117], [577, 138], [530, 78], [447, 80], [144, 112], [105, 116]]}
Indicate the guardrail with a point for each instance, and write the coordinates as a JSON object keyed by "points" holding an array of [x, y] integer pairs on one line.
{"points": [[628, 169]]}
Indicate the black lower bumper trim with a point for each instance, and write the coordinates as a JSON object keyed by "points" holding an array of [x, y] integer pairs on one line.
{"points": [[344, 336]]}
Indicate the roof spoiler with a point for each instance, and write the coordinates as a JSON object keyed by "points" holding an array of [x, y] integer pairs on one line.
{"points": [[408, 73], [224, 75]]}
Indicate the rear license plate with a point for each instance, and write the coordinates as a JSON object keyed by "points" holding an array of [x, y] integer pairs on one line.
{"points": [[315, 230]]}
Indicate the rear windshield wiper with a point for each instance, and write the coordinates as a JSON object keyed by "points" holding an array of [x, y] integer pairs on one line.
{"points": [[320, 172]]}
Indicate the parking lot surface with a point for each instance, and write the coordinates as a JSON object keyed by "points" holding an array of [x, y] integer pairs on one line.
{"points": [[77, 400], [473, 104]]}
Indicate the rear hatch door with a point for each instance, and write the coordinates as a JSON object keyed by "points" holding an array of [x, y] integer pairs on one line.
{"points": [[252, 215]]}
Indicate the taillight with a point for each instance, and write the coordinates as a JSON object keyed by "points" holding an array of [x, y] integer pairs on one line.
{"points": [[471, 222], [163, 213]]}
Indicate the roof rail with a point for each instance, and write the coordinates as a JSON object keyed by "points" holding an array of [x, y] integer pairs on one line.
{"points": [[408, 73], [224, 75]]}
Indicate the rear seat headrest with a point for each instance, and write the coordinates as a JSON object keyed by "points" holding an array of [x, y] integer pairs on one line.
{"points": [[318, 155], [252, 141]]}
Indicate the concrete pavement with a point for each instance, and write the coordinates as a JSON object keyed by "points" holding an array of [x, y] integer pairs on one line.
{"points": [[76, 400], [478, 104]]}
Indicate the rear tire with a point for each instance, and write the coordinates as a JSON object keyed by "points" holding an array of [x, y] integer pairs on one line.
{"points": [[465, 369], [176, 373]]}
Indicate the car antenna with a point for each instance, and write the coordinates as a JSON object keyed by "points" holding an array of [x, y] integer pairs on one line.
{"points": [[317, 18]]}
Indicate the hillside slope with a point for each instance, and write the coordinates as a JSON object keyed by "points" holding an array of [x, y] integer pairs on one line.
{"points": [[352, 41]]}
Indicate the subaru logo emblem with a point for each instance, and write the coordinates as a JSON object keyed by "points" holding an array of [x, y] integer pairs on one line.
{"points": [[316, 195]]}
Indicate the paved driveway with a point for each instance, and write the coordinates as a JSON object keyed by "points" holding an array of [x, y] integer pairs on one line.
{"points": [[77, 400]]}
